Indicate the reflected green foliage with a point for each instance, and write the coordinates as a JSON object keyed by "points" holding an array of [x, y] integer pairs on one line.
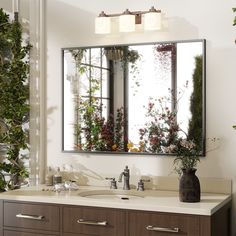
{"points": [[93, 131], [195, 123]]}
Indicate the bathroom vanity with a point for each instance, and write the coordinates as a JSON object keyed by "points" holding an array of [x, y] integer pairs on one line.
{"points": [[102, 212]]}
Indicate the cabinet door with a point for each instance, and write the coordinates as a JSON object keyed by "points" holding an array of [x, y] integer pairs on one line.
{"points": [[162, 224], [70, 234], [93, 221], [31, 216]]}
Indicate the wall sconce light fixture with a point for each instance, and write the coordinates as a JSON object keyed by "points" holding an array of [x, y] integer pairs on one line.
{"points": [[152, 20]]}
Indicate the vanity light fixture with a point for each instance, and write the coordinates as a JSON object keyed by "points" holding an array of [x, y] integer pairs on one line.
{"points": [[102, 24], [127, 21], [152, 20]]}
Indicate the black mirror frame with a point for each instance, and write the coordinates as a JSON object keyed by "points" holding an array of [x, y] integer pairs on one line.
{"points": [[203, 152]]}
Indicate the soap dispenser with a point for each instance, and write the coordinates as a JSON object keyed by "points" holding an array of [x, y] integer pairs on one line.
{"points": [[49, 177], [57, 178]]}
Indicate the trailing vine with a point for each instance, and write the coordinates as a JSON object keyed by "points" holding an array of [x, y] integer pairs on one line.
{"points": [[14, 100]]}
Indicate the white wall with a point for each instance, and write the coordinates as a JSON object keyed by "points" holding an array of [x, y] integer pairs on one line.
{"points": [[71, 23], [23, 7]]}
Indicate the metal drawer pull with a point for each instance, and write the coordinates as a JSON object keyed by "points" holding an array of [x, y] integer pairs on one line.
{"points": [[90, 222], [30, 217], [170, 230]]}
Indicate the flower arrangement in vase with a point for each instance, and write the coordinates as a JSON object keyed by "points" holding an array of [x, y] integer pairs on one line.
{"points": [[185, 165]]}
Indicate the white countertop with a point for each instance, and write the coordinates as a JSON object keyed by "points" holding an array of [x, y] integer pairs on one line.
{"points": [[150, 200]]}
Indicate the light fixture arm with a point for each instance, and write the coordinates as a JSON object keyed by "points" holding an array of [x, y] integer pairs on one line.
{"points": [[138, 14]]}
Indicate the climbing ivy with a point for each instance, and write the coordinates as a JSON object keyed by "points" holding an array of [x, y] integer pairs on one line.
{"points": [[14, 101]]}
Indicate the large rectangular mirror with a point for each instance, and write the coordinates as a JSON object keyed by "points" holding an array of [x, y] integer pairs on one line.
{"points": [[134, 98]]}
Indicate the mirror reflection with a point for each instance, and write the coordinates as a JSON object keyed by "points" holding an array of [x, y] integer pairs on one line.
{"points": [[141, 98]]}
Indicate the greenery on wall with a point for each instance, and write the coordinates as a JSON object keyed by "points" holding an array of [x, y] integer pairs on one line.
{"points": [[14, 101]]}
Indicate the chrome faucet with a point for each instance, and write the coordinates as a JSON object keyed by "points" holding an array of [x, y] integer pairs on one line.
{"points": [[126, 175]]}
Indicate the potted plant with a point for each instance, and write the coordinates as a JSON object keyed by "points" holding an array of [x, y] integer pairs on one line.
{"points": [[185, 165]]}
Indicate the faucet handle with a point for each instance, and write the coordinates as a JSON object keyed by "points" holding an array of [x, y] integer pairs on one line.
{"points": [[113, 183], [141, 184]]}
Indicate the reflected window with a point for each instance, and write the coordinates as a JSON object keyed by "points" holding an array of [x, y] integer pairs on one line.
{"points": [[87, 85]]}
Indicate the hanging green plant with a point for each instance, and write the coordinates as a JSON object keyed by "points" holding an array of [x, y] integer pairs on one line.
{"points": [[14, 100]]}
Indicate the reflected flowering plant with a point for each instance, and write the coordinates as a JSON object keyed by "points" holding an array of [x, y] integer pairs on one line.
{"points": [[161, 129]]}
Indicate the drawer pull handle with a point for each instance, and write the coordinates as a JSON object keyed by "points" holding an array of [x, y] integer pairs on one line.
{"points": [[160, 229], [30, 217], [90, 222]]}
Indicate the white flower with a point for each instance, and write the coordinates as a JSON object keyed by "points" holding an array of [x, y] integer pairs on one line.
{"points": [[169, 149], [187, 144]]}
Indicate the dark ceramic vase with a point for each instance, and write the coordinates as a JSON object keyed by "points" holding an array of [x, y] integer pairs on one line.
{"points": [[189, 186]]}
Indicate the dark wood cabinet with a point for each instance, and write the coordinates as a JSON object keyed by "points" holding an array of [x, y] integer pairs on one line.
{"points": [[31, 216], [143, 223], [162, 224], [40, 219], [15, 233], [30, 219], [94, 221]]}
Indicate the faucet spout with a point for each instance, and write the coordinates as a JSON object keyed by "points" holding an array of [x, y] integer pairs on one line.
{"points": [[126, 175]]}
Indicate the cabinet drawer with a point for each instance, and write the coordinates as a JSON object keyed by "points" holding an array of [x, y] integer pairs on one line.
{"points": [[162, 224], [14, 233], [31, 216], [70, 234], [94, 221]]}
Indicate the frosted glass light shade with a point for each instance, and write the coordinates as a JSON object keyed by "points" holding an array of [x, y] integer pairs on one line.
{"points": [[102, 25], [127, 23], [152, 21]]}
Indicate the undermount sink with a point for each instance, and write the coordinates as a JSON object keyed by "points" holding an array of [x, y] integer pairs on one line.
{"points": [[112, 194]]}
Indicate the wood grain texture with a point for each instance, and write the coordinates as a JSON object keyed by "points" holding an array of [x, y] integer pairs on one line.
{"points": [[1, 217], [138, 221], [115, 221], [219, 224], [15, 233], [50, 213], [61, 220]]}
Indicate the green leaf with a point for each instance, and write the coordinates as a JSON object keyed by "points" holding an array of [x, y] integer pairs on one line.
{"points": [[234, 21], [14, 95]]}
